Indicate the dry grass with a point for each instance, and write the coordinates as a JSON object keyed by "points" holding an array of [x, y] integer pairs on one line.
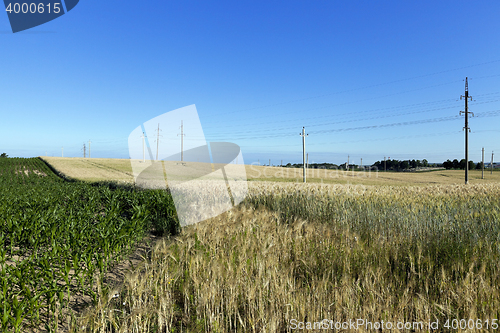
{"points": [[310, 252]]}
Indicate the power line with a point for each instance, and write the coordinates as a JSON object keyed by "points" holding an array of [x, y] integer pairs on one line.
{"points": [[367, 140], [352, 114], [361, 88], [221, 135], [287, 112], [493, 113]]}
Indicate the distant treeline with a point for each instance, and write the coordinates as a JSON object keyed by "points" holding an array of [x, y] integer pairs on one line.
{"points": [[331, 166], [392, 165], [396, 165], [455, 164]]}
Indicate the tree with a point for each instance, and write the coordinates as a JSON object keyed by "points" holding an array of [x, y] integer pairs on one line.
{"points": [[479, 165], [456, 164], [462, 164], [425, 163], [448, 164], [4, 155], [472, 165]]}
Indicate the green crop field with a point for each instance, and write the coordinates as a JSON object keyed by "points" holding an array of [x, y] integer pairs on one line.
{"points": [[59, 238]]}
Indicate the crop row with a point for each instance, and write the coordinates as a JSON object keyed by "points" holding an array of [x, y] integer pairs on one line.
{"points": [[59, 238]]}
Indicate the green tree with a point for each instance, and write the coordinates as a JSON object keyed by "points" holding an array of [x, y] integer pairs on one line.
{"points": [[448, 164], [425, 163], [462, 164], [4, 155], [472, 165], [479, 165]]}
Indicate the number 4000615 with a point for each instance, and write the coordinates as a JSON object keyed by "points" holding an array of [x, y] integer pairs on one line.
{"points": [[33, 8]]}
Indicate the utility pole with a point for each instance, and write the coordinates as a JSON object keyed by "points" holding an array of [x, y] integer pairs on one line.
{"points": [[143, 147], [303, 135], [361, 163], [84, 151], [89, 147], [348, 162], [62, 151], [482, 167], [157, 140], [385, 165], [307, 161], [281, 162], [269, 162], [467, 129], [182, 141], [491, 163]]}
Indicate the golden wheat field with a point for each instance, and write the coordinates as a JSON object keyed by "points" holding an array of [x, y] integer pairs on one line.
{"points": [[120, 170], [419, 251], [295, 253]]}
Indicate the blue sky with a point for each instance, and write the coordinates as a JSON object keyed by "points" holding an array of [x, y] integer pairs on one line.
{"points": [[366, 78]]}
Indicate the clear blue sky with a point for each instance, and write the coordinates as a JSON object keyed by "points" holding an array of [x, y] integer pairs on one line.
{"points": [[363, 77]]}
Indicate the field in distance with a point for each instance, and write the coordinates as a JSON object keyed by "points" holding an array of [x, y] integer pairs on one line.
{"points": [[120, 170]]}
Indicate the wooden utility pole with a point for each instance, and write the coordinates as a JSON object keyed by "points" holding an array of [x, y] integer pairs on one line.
{"points": [[89, 147], [182, 140], [303, 135], [482, 166], [491, 172], [143, 147], [467, 129], [157, 140]]}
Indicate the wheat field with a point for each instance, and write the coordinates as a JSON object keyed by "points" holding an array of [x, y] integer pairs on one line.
{"points": [[302, 253], [120, 170]]}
